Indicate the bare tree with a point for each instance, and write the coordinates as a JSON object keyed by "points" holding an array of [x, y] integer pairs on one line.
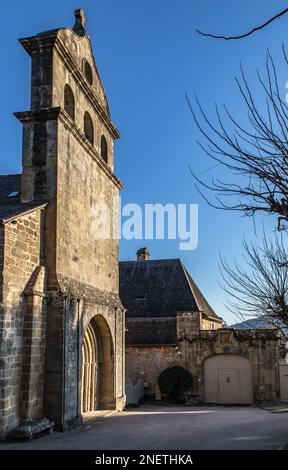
{"points": [[249, 33], [261, 288], [255, 155]]}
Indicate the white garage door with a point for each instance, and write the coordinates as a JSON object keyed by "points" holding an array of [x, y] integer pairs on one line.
{"points": [[228, 380], [283, 371]]}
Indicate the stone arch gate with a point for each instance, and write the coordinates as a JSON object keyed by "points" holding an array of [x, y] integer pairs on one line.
{"points": [[97, 378], [228, 379]]}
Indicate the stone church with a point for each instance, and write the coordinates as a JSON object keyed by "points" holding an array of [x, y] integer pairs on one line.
{"points": [[179, 346], [62, 322], [62, 316]]}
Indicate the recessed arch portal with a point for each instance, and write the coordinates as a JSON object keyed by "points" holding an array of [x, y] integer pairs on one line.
{"points": [[97, 386]]}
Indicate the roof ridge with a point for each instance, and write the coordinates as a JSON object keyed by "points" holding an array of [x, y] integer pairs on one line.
{"points": [[194, 287], [186, 274], [19, 210], [151, 260]]}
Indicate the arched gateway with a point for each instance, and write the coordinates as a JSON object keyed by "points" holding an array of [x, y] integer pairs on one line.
{"points": [[175, 384], [228, 379], [97, 391]]}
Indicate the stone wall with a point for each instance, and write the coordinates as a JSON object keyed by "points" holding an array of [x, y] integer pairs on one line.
{"points": [[147, 362], [81, 184], [188, 324], [210, 324], [18, 358], [261, 347], [82, 102]]}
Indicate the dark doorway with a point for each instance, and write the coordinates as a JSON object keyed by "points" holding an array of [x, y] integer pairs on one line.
{"points": [[175, 384]]}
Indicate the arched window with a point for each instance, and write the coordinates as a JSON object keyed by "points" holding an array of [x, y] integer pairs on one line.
{"points": [[104, 149], [87, 72], [88, 128], [69, 102]]}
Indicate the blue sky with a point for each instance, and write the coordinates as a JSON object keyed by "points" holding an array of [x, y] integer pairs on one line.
{"points": [[149, 56]]}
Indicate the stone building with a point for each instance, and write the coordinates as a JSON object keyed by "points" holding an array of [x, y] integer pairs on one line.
{"points": [[62, 322], [173, 335]]}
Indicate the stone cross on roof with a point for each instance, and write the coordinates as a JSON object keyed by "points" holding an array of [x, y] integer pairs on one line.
{"points": [[79, 27]]}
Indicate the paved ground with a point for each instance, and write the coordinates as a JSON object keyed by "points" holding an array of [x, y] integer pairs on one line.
{"points": [[173, 427]]}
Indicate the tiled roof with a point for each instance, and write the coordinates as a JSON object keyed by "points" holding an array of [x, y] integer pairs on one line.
{"points": [[12, 211], [10, 199], [202, 303], [159, 288]]}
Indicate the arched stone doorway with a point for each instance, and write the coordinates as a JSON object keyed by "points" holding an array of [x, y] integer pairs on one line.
{"points": [[175, 384], [97, 389], [228, 380]]}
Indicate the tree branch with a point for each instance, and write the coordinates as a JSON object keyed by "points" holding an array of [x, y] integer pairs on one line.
{"points": [[256, 155], [258, 28], [261, 289]]}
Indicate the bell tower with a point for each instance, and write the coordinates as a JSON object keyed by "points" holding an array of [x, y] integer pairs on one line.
{"points": [[65, 84], [68, 162]]}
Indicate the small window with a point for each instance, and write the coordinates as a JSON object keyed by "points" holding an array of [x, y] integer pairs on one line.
{"points": [[88, 128], [69, 102], [88, 72], [104, 149]]}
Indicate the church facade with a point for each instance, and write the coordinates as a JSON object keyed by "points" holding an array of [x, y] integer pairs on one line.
{"points": [[62, 322]]}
